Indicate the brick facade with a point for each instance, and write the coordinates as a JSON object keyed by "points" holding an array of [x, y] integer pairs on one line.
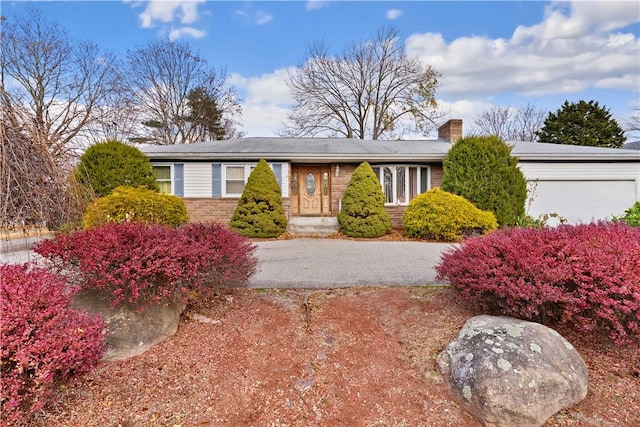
{"points": [[217, 209]]}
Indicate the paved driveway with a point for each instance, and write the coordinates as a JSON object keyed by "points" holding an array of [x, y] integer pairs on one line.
{"points": [[334, 263]]}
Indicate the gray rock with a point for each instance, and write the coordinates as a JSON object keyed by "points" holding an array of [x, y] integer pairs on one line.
{"points": [[509, 372], [129, 331]]}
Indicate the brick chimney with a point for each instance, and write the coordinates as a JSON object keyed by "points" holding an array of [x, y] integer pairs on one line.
{"points": [[451, 131]]}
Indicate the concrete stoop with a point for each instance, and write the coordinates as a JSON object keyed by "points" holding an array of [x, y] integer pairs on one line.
{"points": [[313, 226]]}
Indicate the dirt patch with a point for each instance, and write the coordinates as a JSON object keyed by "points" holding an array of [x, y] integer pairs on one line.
{"points": [[357, 357]]}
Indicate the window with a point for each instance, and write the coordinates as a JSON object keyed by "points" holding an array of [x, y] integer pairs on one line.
{"points": [[401, 184], [163, 178], [234, 178]]}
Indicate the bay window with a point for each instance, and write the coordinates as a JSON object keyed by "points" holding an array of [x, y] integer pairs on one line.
{"points": [[402, 183]]}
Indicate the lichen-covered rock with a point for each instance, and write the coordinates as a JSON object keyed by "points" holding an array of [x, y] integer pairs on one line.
{"points": [[510, 372]]}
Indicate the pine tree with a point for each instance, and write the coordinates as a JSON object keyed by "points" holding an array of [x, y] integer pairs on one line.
{"points": [[582, 123]]}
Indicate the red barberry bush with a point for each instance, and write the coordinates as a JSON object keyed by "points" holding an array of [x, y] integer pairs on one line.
{"points": [[44, 342], [141, 264], [587, 276]]}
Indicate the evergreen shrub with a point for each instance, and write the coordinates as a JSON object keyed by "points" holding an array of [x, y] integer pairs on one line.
{"points": [[482, 170], [363, 213], [111, 164], [128, 204], [259, 212], [142, 264], [44, 342], [586, 276], [440, 215]]}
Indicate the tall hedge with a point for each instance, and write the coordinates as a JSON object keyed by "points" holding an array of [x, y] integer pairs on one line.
{"points": [[108, 165], [259, 212], [482, 170], [128, 204], [362, 213]]}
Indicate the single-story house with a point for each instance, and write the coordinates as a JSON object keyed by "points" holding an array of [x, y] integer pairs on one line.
{"points": [[579, 183]]}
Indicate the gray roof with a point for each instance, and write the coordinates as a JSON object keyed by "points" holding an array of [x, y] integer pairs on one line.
{"points": [[303, 150], [635, 145], [356, 150]]}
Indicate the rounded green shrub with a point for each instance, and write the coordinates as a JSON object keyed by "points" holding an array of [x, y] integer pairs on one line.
{"points": [[128, 204], [259, 212], [632, 215], [362, 213], [482, 170], [111, 164], [440, 215]]}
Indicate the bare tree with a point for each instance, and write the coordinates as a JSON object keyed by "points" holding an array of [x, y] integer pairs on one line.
{"points": [[511, 123], [632, 124], [51, 86], [372, 90], [160, 78], [35, 188]]}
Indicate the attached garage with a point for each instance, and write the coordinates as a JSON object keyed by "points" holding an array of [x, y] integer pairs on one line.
{"points": [[580, 201], [581, 184]]}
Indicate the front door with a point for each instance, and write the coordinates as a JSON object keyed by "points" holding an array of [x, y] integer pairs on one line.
{"points": [[311, 184]]}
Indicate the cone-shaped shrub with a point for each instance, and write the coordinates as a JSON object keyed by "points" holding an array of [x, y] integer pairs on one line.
{"points": [[362, 213], [482, 170], [127, 204], [440, 215], [259, 212], [110, 164]]}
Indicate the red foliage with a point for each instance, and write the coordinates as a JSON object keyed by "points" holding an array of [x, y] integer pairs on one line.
{"points": [[585, 275], [143, 264], [44, 342]]}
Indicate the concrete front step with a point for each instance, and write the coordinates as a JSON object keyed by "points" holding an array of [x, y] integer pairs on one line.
{"points": [[313, 226]]}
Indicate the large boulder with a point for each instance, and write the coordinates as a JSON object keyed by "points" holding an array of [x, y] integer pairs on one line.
{"points": [[130, 331], [510, 372]]}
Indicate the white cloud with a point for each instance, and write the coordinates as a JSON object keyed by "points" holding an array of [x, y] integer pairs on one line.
{"points": [[258, 18], [315, 4], [263, 18], [569, 51], [176, 33], [266, 101], [394, 14], [186, 12]]}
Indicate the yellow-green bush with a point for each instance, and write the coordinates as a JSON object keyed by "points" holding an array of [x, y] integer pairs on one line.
{"points": [[440, 215], [129, 204]]}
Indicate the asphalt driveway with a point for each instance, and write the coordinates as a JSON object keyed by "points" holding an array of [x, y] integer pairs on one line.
{"points": [[335, 263]]}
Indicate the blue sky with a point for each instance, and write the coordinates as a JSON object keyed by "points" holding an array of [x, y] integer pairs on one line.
{"points": [[489, 53]]}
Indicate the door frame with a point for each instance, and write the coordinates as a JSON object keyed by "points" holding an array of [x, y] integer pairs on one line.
{"points": [[297, 187]]}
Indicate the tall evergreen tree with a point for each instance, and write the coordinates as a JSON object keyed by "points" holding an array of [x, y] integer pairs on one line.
{"points": [[482, 170], [582, 123]]}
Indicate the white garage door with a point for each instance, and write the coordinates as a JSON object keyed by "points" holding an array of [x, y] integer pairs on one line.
{"points": [[581, 201]]}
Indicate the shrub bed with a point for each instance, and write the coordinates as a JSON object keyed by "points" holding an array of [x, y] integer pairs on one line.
{"points": [[584, 275], [140, 264], [44, 342], [440, 215], [129, 204]]}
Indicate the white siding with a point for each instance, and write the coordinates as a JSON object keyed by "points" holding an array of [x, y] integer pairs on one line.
{"points": [[581, 192], [197, 179]]}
